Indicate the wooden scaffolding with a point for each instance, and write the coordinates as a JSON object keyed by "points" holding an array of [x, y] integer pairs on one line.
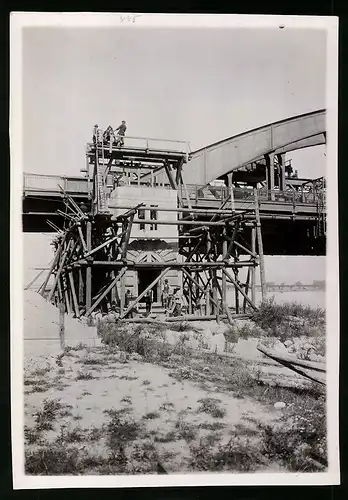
{"points": [[215, 246]]}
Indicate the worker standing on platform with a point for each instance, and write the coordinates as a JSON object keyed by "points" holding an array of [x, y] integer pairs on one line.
{"points": [[95, 134], [127, 300], [148, 302], [121, 130], [108, 135], [165, 295], [177, 303]]}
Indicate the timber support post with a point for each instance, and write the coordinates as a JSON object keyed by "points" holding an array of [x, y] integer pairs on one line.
{"points": [[260, 245], [89, 268]]}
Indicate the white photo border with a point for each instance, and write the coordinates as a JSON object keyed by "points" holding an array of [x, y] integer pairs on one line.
{"points": [[18, 21]]}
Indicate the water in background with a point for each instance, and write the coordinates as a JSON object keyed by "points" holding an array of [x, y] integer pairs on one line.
{"points": [[308, 298]]}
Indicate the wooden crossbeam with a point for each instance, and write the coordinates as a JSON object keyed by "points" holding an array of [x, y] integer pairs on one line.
{"points": [[106, 291], [125, 240], [79, 229], [242, 247], [151, 285], [240, 290], [62, 262], [72, 287], [197, 284]]}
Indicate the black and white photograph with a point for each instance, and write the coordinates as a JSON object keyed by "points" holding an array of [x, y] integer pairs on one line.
{"points": [[174, 255]]}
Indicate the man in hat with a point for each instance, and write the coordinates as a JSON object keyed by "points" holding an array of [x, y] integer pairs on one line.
{"points": [[165, 294], [95, 134], [148, 302], [121, 130]]}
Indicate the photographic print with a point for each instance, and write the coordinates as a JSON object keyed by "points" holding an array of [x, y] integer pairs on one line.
{"points": [[174, 274]]}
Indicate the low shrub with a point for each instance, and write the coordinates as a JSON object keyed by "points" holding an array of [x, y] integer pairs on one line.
{"points": [[235, 456], [300, 442], [289, 320], [148, 342], [52, 460], [209, 405], [45, 417]]}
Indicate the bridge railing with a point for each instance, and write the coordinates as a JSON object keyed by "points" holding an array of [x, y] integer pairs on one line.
{"points": [[51, 183], [77, 185], [221, 193], [143, 143]]}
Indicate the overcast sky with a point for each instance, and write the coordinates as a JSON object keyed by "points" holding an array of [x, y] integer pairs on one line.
{"points": [[198, 85]]}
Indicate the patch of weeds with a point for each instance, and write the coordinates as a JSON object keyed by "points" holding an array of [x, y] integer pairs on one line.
{"points": [[248, 330], [52, 460], [39, 388], [148, 341], [243, 430], [144, 459], [290, 319], [185, 431], [65, 413], [166, 438], [61, 371], [235, 456], [151, 415], [300, 443], [209, 405], [167, 406], [211, 439], [116, 463], [122, 430], [231, 335], [86, 393], [32, 436], [59, 358], [70, 436], [44, 418], [84, 376], [60, 386], [40, 372], [94, 361], [128, 377], [215, 426], [78, 347], [77, 417], [146, 382], [126, 399], [94, 434], [30, 381], [246, 417]]}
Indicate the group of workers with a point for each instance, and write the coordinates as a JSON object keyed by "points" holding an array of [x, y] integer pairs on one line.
{"points": [[171, 301], [110, 135]]}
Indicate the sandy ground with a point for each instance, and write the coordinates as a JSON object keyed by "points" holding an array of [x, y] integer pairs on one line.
{"points": [[93, 387], [165, 408]]}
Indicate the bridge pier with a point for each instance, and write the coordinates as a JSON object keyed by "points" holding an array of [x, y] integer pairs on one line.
{"points": [[270, 174], [281, 166]]}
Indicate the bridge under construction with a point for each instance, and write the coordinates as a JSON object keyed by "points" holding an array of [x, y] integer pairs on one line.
{"points": [[150, 212]]}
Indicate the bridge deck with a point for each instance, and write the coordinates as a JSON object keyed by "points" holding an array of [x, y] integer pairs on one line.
{"points": [[285, 202]]}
